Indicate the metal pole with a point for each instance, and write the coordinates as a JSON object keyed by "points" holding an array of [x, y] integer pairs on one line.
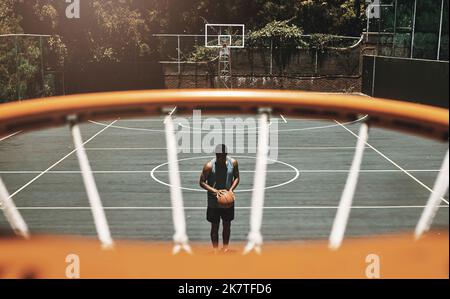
{"points": [[367, 30], [395, 28], [42, 65], [374, 75], [64, 76], [316, 64], [271, 55], [17, 69], [440, 32], [179, 55], [413, 29]]}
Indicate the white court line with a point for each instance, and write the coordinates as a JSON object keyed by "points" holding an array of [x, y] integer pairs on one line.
{"points": [[238, 208], [58, 162], [238, 148], [220, 117], [160, 119], [241, 171], [9, 136], [284, 119], [173, 111], [249, 129], [170, 114], [392, 162]]}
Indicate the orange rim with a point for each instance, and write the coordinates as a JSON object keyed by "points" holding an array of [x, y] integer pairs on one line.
{"points": [[35, 114], [400, 257]]}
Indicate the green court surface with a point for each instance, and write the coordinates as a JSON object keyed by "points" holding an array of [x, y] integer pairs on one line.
{"points": [[128, 157]]}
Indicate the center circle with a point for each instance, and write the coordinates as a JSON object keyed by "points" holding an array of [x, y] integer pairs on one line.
{"points": [[249, 129], [195, 129], [295, 170]]}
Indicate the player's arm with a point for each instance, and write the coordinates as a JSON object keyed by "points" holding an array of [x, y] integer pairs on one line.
{"points": [[236, 176], [204, 177]]}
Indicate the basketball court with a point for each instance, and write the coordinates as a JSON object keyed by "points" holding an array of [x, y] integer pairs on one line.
{"points": [[129, 161]]}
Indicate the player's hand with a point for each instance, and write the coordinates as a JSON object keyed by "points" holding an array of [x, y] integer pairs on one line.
{"points": [[220, 193]]}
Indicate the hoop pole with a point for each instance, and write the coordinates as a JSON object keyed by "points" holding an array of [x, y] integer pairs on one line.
{"points": [[255, 238], [180, 237], [98, 213], [439, 190], [343, 212], [12, 215]]}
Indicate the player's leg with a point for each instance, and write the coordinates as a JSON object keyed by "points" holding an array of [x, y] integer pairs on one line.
{"points": [[227, 216], [226, 232], [213, 217], [215, 234]]}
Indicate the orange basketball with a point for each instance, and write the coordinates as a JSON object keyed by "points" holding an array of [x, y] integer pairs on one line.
{"points": [[226, 199]]}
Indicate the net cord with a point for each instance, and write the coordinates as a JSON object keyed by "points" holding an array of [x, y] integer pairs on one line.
{"points": [[98, 213], [12, 215], [180, 237], [345, 204], [255, 239], [434, 200]]}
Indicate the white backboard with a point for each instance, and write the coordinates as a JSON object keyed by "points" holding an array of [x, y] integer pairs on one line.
{"points": [[232, 34]]}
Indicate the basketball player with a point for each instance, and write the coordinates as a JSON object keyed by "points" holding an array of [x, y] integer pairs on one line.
{"points": [[218, 175]]}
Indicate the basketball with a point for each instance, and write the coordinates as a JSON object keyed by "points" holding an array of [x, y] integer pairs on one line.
{"points": [[226, 199]]}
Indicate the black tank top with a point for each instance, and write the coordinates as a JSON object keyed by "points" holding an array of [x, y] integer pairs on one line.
{"points": [[220, 177]]}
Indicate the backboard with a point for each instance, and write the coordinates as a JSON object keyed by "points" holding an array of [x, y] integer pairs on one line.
{"points": [[233, 35]]}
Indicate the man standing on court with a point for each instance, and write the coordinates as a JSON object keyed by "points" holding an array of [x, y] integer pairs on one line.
{"points": [[220, 175]]}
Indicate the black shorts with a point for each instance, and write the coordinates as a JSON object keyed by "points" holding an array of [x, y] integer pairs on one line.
{"points": [[213, 215]]}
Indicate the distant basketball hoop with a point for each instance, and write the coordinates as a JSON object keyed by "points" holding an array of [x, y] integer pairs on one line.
{"points": [[231, 34], [225, 37]]}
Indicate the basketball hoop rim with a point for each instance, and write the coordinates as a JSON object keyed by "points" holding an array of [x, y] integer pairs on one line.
{"points": [[30, 115]]}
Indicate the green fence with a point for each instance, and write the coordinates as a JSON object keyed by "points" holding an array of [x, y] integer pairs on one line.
{"points": [[421, 81]]}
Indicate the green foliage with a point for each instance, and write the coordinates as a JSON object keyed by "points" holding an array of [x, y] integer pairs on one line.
{"points": [[117, 31], [280, 33], [319, 41], [121, 31], [283, 39], [20, 71], [9, 21], [202, 54], [59, 49]]}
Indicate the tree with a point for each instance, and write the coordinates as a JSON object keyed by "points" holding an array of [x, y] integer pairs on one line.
{"points": [[284, 40]]}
